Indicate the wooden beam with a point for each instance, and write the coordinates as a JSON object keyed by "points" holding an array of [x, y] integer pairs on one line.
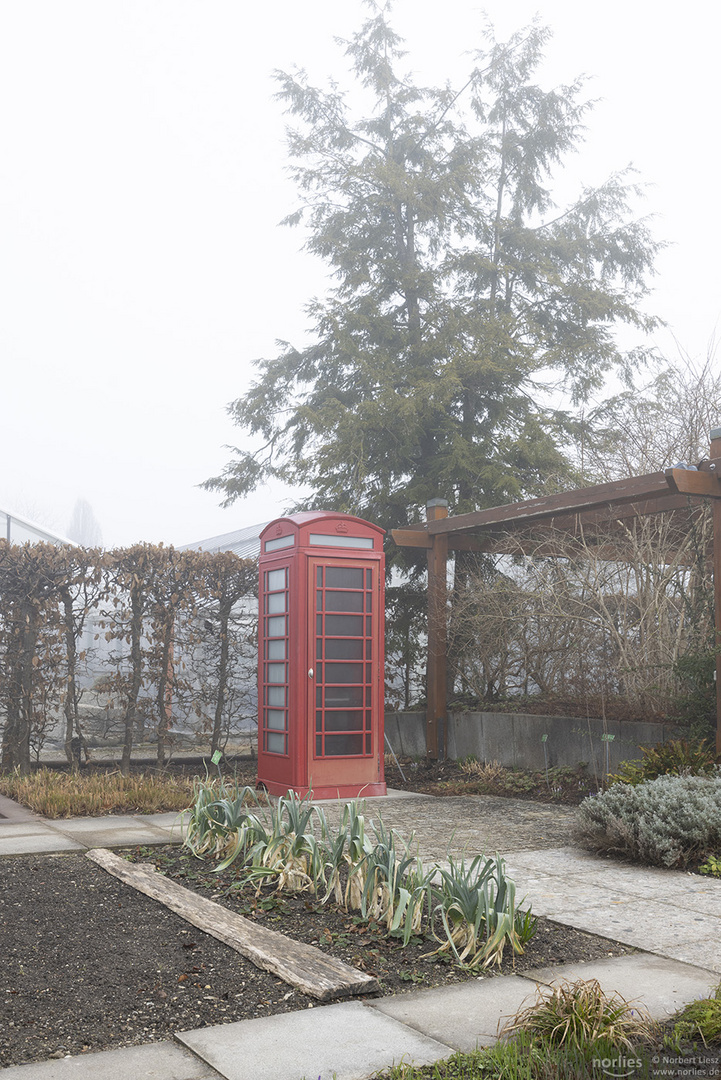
{"points": [[419, 538], [436, 663], [411, 538], [521, 514], [691, 482], [310, 970]]}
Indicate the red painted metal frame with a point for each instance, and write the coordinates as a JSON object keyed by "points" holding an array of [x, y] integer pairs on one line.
{"points": [[292, 700]]}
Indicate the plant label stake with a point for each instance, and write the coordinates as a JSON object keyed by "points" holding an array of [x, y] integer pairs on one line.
{"points": [[544, 740], [608, 739]]}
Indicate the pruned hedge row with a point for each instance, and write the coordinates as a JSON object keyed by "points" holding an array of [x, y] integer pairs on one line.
{"points": [[155, 628]]}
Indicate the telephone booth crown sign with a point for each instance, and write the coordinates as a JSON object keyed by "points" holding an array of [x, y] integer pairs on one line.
{"points": [[320, 656]]}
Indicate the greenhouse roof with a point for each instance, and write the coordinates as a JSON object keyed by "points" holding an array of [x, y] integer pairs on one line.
{"points": [[20, 530], [245, 543]]}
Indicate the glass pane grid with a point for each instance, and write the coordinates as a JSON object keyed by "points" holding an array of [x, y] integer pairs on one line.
{"points": [[275, 669], [343, 681]]}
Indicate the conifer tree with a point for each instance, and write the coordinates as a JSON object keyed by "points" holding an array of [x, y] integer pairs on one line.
{"points": [[461, 292]]}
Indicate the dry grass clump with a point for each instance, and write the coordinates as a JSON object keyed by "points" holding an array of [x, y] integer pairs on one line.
{"points": [[489, 771], [58, 794], [580, 1015]]}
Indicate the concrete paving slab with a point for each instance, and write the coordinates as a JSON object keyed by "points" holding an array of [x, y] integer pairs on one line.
{"points": [[548, 894], [31, 827], [661, 986], [703, 954], [111, 831], [660, 928], [347, 1041], [153, 1061], [558, 861], [13, 811], [377, 801], [122, 837], [79, 825], [170, 820], [46, 843], [464, 1016]]}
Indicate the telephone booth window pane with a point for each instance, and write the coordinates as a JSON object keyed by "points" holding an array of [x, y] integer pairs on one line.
{"points": [[344, 648], [276, 602], [343, 745], [275, 695], [369, 601], [275, 650], [319, 576], [319, 600], [369, 579], [280, 542], [368, 649], [344, 626], [344, 673], [369, 625], [276, 580], [275, 673], [343, 577], [319, 720], [275, 719], [319, 746], [368, 744], [343, 601], [276, 627], [319, 624], [275, 743], [344, 720], [319, 648], [339, 697]]}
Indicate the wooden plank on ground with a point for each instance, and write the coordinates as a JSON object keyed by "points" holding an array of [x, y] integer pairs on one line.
{"points": [[303, 966]]}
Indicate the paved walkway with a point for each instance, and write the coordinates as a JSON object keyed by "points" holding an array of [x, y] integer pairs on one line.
{"points": [[674, 917]]}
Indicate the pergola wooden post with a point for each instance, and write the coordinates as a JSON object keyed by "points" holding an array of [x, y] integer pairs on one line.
{"points": [[437, 667], [715, 452], [676, 490]]}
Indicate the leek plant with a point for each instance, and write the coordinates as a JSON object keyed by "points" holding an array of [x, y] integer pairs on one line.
{"points": [[478, 912], [216, 817], [287, 852], [346, 856], [395, 886]]}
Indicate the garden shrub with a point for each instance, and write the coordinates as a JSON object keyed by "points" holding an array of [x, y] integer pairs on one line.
{"points": [[672, 821], [677, 757]]}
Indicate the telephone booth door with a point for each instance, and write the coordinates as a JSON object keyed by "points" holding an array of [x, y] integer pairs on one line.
{"points": [[345, 686]]}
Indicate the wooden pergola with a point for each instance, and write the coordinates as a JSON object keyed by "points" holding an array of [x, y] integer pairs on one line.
{"points": [[677, 491]]}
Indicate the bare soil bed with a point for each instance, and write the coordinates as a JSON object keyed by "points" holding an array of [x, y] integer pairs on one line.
{"points": [[90, 964]]}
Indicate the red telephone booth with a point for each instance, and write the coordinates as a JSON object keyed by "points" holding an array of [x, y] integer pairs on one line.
{"points": [[320, 656]]}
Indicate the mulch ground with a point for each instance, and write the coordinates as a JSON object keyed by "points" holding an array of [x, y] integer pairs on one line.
{"points": [[89, 964]]}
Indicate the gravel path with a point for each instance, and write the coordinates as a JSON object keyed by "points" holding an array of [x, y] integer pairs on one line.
{"points": [[472, 823]]}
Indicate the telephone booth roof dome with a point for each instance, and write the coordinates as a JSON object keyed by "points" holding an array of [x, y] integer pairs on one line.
{"points": [[312, 517]]}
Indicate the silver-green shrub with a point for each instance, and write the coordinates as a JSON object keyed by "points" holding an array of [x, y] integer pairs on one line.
{"points": [[669, 821]]}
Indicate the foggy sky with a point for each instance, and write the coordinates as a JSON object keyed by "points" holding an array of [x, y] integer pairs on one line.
{"points": [[141, 185]]}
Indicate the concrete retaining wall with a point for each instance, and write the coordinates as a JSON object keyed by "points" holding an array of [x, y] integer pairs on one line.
{"points": [[514, 740]]}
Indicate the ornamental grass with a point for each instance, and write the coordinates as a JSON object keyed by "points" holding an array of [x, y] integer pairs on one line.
{"points": [[55, 794]]}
